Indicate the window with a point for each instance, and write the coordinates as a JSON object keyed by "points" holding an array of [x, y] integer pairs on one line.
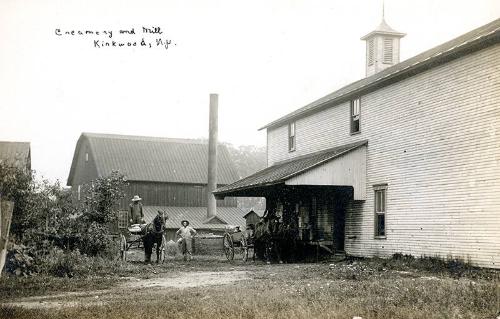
{"points": [[123, 219], [78, 192], [355, 114], [380, 210], [371, 51], [291, 137], [388, 50], [86, 157]]}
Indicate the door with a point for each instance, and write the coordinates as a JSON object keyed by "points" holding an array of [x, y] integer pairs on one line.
{"points": [[339, 224]]}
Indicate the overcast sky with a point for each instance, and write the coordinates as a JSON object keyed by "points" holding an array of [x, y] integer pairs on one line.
{"points": [[264, 59]]}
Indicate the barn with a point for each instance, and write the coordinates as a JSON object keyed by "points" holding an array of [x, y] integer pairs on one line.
{"points": [[17, 154], [405, 160], [168, 174]]}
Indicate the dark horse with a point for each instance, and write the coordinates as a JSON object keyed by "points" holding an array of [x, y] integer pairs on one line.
{"points": [[275, 240], [149, 240]]}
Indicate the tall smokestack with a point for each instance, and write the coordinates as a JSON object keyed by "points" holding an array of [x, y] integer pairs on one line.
{"points": [[212, 156]]}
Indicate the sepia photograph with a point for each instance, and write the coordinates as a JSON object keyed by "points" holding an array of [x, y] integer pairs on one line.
{"points": [[267, 159]]}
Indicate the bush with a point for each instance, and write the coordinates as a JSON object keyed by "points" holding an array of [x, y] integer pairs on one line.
{"points": [[96, 241], [20, 261]]}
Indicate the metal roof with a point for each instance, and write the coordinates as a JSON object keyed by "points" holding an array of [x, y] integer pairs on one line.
{"points": [[15, 153], [472, 41], [282, 171], [197, 216], [155, 159]]}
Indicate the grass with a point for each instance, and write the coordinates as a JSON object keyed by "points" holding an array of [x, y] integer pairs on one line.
{"points": [[374, 288]]}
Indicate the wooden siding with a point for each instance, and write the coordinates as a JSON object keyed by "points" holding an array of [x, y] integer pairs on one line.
{"points": [[85, 171], [166, 194], [252, 219], [434, 139], [347, 170]]}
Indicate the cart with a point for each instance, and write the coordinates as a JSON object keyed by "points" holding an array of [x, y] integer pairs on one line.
{"points": [[243, 241], [134, 239]]}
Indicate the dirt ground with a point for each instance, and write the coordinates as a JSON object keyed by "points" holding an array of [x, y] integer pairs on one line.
{"points": [[133, 285], [212, 287]]}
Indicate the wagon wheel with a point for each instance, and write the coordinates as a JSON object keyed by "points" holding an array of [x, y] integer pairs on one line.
{"points": [[244, 248], [163, 248], [123, 247], [227, 244]]}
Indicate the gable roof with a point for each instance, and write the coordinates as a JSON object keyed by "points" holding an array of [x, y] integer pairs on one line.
{"points": [[16, 153], [284, 170], [259, 213], [197, 216], [472, 41], [155, 159]]}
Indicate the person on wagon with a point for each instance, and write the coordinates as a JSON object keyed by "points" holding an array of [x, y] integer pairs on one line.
{"points": [[136, 214], [186, 234]]}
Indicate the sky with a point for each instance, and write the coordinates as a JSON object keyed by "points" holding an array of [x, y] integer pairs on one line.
{"points": [[265, 58]]}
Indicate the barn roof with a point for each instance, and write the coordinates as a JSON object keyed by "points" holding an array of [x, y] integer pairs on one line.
{"points": [[197, 216], [16, 153], [472, 41], [155, 159], [282, 171]]}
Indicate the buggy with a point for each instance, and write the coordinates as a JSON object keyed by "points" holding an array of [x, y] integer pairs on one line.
{"points": [[234, 239], [135, 236]]}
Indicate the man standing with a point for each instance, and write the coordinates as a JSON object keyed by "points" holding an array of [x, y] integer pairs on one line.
{"points": [[186, 234], [136, 215]]}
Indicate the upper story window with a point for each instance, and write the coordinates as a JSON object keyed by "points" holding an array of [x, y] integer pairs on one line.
{"points": [[291, 137], [355, 115], [380, 210], [388, 48], [371, 51], [86, 157]]}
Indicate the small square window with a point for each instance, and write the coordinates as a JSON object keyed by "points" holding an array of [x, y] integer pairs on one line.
{"points": [[355, 115], [291, 137]]}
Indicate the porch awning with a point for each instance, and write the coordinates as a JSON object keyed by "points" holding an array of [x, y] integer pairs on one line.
{"points": [[339, 166]]}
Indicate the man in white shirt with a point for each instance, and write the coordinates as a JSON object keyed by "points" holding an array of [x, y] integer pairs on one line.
{"points": [[186, 234]]}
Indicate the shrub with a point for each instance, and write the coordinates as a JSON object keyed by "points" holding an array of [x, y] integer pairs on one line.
{"points": [[20, 261], [62, 263]]}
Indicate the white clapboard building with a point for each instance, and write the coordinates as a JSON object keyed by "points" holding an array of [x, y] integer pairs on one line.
{"points": [[406, 160]]}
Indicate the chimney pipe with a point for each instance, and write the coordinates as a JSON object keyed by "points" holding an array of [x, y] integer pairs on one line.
{"points": [[212, 156]]}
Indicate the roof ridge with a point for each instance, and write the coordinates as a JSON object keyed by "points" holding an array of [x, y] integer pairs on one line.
{"points": [[145, 138], [15, 142], [407, 67]]}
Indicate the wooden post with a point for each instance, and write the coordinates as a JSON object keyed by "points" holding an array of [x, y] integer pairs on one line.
{"points": [[6, 209]]}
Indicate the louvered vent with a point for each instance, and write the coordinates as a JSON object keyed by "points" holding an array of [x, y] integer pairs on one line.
{"points": [[371, 52], [388, 48]]}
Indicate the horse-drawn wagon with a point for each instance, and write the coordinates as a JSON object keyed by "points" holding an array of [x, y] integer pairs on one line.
{"points": [[237, 240], [145, 235]]}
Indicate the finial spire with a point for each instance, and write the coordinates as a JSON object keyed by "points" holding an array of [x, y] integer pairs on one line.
{"points": [[383, 9]]}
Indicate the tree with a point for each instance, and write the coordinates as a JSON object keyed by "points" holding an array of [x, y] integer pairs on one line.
{"points": [[100, 207], [17, 185], [248, 159]]}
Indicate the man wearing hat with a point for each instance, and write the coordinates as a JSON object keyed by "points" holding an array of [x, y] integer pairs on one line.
{"points": [[136, 215], [186, 234]]}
